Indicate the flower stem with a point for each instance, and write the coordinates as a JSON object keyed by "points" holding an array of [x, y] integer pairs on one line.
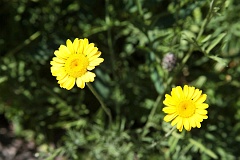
{"points": [[151, 114], [170, 132], [99, 98]]}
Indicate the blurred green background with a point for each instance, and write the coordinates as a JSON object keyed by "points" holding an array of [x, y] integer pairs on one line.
{"points": [[133, 36]]}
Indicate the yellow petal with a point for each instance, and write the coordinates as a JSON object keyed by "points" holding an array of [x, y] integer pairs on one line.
{"points": [[80, 83], [88, 49], [198, 117], [59, 60], [190, 92], [204, 117], [169, 110], [169, 117], [186, 124], [96, 62], [70, 46], [177, 92], [185, 91], [76, 44], [93, 53], [196, 94], [85, 44], [56, 64], [201, 99], [94, 56], [63, 80], [57, 70], [180, 92], [61, 54], [202, 106], [198, 124], [80, 47], [175, 121], [69, 83], [180, 128], [180, 124], [90, 68], [59, 73], [88, 77], [192, 122], [201, 111], [64, 50], [170, 100]]}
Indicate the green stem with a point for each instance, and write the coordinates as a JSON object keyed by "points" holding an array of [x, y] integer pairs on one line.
{"points": [[99, 98], [109, 38], [139, 7], [156, 104], [110, 43], [25, 43], [206, 20], [170, 132]]}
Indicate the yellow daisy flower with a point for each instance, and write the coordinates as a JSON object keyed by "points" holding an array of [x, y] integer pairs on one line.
{"points": [[74, 62], [185, 107]]}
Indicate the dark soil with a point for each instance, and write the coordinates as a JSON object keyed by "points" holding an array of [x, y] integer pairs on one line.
{"points": [[12, 147]]}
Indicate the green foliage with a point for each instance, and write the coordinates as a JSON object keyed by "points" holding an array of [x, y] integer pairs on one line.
{"points": [[133, 37]]}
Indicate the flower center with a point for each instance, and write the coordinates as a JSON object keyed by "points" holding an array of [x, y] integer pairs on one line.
{"points": [[76, 65], [186, 108]]}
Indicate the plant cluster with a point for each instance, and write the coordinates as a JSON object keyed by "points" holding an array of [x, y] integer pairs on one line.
{"points": [[158, 55]]}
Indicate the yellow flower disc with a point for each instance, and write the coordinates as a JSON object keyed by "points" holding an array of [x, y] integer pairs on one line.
{"points": [[76, 65], [186, 108]]}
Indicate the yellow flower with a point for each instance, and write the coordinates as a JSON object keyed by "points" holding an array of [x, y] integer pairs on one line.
{"points": [[74, 62], [185, 107]]}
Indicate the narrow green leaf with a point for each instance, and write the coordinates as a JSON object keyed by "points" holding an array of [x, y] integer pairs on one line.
{"points": [[202, 148], [154, 74], [173, 145], [200, 81], [215, 42], [54, 154], [188, 35], [206, 38], [220, 60]]}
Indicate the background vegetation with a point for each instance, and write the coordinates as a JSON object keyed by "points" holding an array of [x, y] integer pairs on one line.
{"points": [[134, 36]]}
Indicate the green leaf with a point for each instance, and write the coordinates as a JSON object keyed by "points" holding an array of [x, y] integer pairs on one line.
{"points": [[188, 36], [54, 154], [200, 81], [155, 76], [220, 60], [202, 148], [205, 39], [215, 42]]}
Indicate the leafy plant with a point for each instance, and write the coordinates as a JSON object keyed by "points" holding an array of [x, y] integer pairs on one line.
{"points": [[134, 37]]}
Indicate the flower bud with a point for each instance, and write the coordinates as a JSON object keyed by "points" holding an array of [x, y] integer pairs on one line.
{"points": [[169, 61]]}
